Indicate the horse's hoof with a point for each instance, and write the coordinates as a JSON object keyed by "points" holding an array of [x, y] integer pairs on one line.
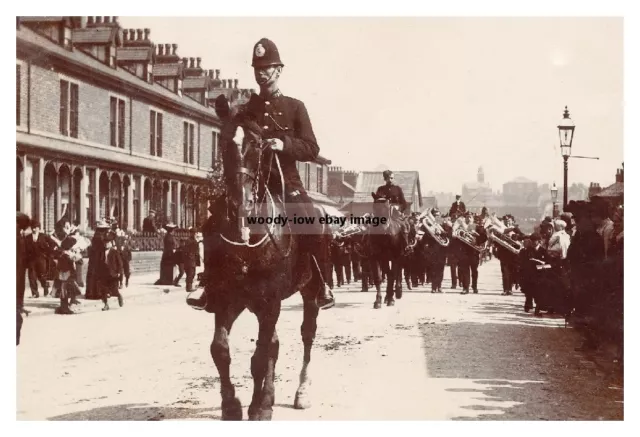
{"points": [[232, 410], [377, 305], [301, 401], [391, 303], [259, 414], [399, 294]]}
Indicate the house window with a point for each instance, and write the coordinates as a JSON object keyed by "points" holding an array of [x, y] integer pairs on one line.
{"points": [[91, 189], [155, 134], [320, 179], [307, 169], [189, 132], [18, 92], [136, 203], [117, 122], [69, 109], [215, 137]]}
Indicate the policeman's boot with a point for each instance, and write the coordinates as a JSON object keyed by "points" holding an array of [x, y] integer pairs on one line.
{"points": [[318, 247]]}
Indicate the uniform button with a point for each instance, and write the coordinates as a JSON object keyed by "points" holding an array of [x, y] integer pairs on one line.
{"points": [[267, 103], [265, 127], [286, 128], [266, 114], [279, 113]]}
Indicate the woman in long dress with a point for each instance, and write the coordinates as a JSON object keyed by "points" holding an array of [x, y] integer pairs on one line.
{"points": [[167, 262], [96, 257]]}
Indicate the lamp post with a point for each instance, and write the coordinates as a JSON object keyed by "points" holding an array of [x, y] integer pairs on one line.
{"points": [[554, 199], [565, 129]]}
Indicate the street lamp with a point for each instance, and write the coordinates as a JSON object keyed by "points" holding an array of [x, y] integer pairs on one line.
{"points": [[565, 129], [554, 199]]}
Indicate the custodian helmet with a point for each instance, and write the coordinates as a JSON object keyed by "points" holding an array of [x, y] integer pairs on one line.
{"points": [[265, 54]]}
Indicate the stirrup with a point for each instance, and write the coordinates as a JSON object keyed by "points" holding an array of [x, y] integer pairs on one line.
{"points": [[190, 301]]}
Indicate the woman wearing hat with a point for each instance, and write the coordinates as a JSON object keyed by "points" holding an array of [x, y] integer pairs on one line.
{"points": [[167, 262], [96, 258]]}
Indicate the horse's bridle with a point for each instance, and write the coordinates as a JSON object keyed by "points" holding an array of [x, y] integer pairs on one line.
{"points": [[255, 179]]}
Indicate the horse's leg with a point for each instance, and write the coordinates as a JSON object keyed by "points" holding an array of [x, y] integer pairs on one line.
{"points": [[375, 276], [398, 266], [263, 362], [389, 268], [308, 331], [231, 406]]}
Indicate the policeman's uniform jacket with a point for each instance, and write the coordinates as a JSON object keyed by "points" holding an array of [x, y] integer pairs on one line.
{"points": [[394, 194], [287, 119], [457, 209]]}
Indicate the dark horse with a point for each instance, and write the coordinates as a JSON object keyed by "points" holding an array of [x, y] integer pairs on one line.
{"points": [[256, 267], [383, 247]]}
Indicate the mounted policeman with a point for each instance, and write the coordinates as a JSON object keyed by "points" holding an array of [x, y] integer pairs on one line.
{"points": [[286, 129]]}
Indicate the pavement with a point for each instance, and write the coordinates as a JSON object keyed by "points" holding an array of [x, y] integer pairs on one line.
{"points": [[430, 357]]}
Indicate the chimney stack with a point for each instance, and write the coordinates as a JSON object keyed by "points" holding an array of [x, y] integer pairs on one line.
{"points": [[198, 61], [175, 47], [98, 20], [139, 34], [160, 49], [192, 62], [89, 20], [235, 83], [146, 34]]}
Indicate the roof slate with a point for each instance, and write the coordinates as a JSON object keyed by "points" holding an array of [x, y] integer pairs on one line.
{"points": [[128, 54], [94, 35]]}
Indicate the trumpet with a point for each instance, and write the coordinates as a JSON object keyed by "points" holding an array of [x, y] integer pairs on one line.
{"points": [[433, 228]]}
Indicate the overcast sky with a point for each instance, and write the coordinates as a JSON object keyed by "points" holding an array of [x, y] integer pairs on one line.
{"points": [[438, 95]]}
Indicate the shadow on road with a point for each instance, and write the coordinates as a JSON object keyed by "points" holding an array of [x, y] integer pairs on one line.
{"points": [[139, 412], [510, 365]]}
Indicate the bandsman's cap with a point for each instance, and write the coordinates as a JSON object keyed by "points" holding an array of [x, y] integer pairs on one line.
{"points": [[265, 54]]}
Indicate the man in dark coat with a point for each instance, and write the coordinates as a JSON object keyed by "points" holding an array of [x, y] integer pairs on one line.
{"points": [[458, 208], [190, 259], [22, 223], [287, 129], [40, 248], [148, 224], [391, 191]]}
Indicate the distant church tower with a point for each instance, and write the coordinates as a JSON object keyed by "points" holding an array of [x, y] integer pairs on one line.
{"points": [[480, 175]]}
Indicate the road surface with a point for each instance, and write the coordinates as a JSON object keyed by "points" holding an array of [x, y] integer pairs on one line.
{"points": [[431, 357]]}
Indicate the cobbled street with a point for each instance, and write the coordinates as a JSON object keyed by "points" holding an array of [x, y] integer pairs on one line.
{"points": [[431, 357]]}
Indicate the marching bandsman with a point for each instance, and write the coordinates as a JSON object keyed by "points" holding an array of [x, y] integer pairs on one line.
{"points": [[437, 255], [452, 255], [481, 239], [287, 130], [464, 255], [507, 261]]}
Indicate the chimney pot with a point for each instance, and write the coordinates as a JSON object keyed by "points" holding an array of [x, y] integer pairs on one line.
{"points": [[139, 34], [89, 20], [98, 20], [146, 34], [192, 62], [114, 19], [167, 49], [125, 34], [107, 20], [217, 74], [175, 47], [224, 83], [211, 74], [235, 83], [185, 62], [198, 60], [160, 49]]}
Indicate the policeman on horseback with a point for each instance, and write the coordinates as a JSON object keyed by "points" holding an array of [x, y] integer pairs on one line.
{"points": [[399, 206], [287, 129]]}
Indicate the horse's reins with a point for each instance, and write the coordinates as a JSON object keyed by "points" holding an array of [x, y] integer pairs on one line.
{"points": [[269, 228]]}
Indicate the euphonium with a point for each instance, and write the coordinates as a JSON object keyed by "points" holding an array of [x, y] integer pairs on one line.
{"points": [[433, 228], [349, 230], [496, 233], [468, 238]]}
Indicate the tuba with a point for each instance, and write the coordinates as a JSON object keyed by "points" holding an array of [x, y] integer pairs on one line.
{"points": [[349, 230], [468, 237], [433, 228], [496, 231]]}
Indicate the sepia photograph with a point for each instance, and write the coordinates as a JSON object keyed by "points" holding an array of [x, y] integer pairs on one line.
{"points": [[356, 218]]}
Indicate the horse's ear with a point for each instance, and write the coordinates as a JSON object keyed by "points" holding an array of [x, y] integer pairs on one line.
{"points": [[222, 107]]}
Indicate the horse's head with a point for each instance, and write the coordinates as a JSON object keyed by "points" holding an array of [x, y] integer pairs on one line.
{"points": [[243, 154]]}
